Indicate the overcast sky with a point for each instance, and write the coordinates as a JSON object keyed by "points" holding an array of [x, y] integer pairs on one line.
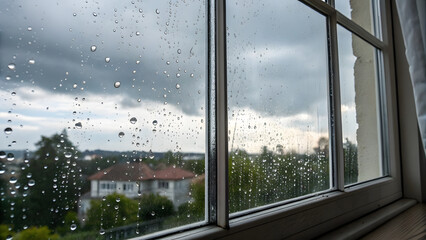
{"points": [[157, 51]]}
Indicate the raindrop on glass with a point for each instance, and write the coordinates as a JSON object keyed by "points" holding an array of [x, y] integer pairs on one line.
{"points": [[13, 180], [117, 84], [107, 59], [73, 227], [179, 51], [31, 183], [68, 154], [117, 199], [121, 134], [157, 11], [8, 130], [10, 157], [95, 14], [154, 122], [78, 125], [31, 61], [74, 14], [177, 86], [133, 120], [11, 66], [93, 48], [8, 78], [2, 154], [177, 74], [101, 231]]}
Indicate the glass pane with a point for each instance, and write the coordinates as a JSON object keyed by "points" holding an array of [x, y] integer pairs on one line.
{"points": [[363, 12], [359, 106], [277, 100], [103, 117]]}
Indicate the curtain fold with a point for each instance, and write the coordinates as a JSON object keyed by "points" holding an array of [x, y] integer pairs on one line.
{"points": [[411, 15]]}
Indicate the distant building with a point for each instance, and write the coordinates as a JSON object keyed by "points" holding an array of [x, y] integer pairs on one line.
{"points": [[135, 179]]}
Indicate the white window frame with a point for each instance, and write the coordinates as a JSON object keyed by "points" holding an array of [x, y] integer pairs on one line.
{"points": [[306, 216]]}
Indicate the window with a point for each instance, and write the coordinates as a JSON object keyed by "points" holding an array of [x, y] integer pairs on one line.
{"points": [[163, 184], [268, 114]]}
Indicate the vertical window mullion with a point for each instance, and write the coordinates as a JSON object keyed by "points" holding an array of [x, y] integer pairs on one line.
{"points": [[221, 116], [336, 142]]}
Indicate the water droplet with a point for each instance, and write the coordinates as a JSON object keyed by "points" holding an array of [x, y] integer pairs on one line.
{"points": [[2, 154], [29, 175], [107, 59], [68, 154], [78, 125], [11, 66], [8, 130], [152, 213], [9, 237], [117, 199], [179, 51], [151, 155], [138, 33], [101, 231], [13, 180], [73, 227], [31, 61], [117, 84], [8, 78], [95, 14], [177, 86], [31, 183], [74, 14], [93, 48], [133, 120], [192, 75], [177, 75], [10, 157], [121, 134], [74, 85], [154, 122], [157, 11]]}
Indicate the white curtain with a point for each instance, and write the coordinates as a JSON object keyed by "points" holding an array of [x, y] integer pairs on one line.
{"points": [[413, 23]]}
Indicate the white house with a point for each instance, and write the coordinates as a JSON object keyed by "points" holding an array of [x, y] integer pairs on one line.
{"points": [[135, 179]]}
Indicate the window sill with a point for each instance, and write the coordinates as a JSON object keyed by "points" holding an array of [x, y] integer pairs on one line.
{"points": [[303, 219]]}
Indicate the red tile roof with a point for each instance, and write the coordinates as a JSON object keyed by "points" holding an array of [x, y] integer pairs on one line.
{"points": [[140, 172]]}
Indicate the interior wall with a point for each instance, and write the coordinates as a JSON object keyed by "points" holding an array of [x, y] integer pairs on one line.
{"points": [[414, 184]]}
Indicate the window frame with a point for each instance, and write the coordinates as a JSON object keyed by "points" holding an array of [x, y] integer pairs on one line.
{"points": [[311, 215]]}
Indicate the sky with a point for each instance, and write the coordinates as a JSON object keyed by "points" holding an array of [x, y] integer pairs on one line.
{"points": [[91, 66]]}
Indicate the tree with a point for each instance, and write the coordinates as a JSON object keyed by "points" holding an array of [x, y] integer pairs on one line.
{"points": [[53, 181], [36, 233], [112, 211], [154, 206], [350, 153]]}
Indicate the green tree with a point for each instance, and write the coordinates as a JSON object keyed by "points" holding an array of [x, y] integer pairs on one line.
{"points": [[154, 206], [350, 153], [112, 211], [70, 219], [36, 233], [53, 181]]}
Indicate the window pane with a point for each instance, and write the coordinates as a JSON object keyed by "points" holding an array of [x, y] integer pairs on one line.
{"points": [[363, 12], [359, 106], [277, 100], [100, 101]]}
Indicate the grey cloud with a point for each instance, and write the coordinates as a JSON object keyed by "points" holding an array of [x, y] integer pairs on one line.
{"points": [[60, 43]]}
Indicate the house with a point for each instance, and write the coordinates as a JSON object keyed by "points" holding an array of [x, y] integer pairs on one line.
{"points": [[135, 179]]}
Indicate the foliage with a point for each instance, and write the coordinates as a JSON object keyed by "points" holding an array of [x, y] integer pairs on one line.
{"points": [[70, 218], [154, 206], [57, 182], [256, 180], [350, 153], [4, 232], [112, 211], [195, 208], [36, 233]]}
